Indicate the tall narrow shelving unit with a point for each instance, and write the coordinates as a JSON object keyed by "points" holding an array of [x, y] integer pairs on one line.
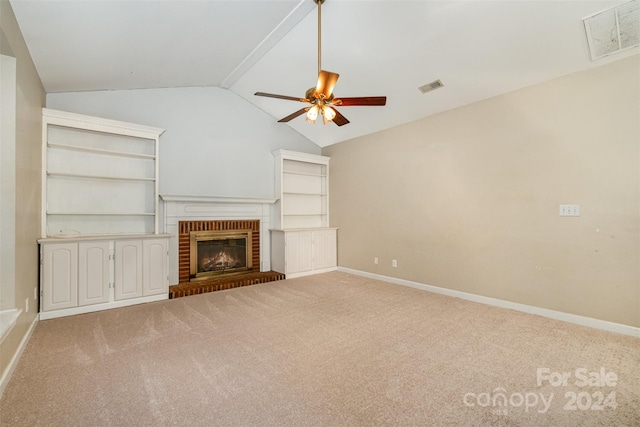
{"points": [[302, 240], [302, 181], [100, 246]]}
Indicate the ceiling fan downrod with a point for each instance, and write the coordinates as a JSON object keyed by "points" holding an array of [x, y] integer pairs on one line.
{"points": [[319, 3]]}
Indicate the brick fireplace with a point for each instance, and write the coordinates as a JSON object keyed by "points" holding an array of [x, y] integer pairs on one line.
{"points": [[182, 214], [188, 229]]}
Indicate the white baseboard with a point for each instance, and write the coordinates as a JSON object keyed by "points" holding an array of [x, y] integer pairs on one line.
{"points": [[310, 272], [6, 375], [45, 315], [552, 314], [8, 319]]}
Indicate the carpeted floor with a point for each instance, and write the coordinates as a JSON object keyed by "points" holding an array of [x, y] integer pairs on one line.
{"points": [[326, 350]]}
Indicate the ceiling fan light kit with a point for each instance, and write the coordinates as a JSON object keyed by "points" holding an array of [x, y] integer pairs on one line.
{"points": [[321, 97]]}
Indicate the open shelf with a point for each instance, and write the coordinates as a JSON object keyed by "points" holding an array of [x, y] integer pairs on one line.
{"points": [[101, 151], [99, 176], [114, 178]]}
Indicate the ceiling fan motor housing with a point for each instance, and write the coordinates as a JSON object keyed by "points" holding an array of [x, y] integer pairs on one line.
{"points": [[314, 96]]}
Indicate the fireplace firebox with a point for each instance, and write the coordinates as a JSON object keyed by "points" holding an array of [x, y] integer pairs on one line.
{"points": [[214, 253]]}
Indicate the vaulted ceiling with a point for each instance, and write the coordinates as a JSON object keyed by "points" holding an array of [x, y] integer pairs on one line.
{"points": [[478, 49]]}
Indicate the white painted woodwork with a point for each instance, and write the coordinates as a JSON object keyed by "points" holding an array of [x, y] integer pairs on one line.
{"points": [[301, 252], [128, 279], [302, 188], [325, 249], [112, 165], [278, 255], [301, 240], [94, 272], [85, 274], [60, 276], [176, 208], [7, 183], [298, 251], [155, 264]]}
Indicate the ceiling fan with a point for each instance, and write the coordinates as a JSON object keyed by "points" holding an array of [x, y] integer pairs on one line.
{"points": [[321, 97]]}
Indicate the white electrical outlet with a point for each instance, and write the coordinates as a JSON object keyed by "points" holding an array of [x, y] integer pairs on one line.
{"points": [[569, 210], [394, 263], [26, 305], [375, 259]]}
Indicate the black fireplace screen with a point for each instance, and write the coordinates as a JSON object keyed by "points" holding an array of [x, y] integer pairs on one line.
{"points": [[222, 255]]}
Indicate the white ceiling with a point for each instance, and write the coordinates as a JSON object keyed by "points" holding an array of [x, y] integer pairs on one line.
{"points": [[478, 49]]}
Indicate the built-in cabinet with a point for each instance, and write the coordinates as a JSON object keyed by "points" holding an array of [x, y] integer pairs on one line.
{"points": [[302, 242], [100, 246], [87, 274], [301, 252]]}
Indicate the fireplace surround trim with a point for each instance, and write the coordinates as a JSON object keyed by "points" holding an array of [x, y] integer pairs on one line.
{"points": [[176, 208]]}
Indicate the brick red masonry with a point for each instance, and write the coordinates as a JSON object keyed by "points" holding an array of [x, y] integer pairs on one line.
{"points": [[223, 283], [185, 227]]}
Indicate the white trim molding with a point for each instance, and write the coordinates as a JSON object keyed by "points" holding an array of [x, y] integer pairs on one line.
{"points": [[8, 319], [54, 314], [217, 199], [64, 118], [552, 314], [6, 375]]}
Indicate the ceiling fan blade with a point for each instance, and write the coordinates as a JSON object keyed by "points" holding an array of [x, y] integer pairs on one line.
{"points": [[326, 82], [294, 115], [272, 95], [363, 100], [339, 119]]}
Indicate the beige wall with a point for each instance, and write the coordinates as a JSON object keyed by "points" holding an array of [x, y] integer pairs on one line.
{"points": [[30, 100], [468, 199]]}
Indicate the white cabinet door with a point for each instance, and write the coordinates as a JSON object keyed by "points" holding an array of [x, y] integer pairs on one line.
{"points": [[155, 263], [93, 272], [324, 249], [60, 276], [298, 251], [128, 268]]}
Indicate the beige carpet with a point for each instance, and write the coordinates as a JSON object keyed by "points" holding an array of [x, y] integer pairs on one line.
{"points": [[326, 350]]}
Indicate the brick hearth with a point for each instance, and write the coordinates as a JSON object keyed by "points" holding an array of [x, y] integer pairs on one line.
{"points": [[222, 283], [185, 287]]}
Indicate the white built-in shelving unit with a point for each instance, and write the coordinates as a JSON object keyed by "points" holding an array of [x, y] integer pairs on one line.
{"points": [[100, 246], [302, 242]]}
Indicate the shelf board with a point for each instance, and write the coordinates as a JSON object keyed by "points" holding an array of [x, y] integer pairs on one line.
{"points": [[313, 214], [291, 193], [102, 151], [320, 175], [102, 213], [108, 178]]}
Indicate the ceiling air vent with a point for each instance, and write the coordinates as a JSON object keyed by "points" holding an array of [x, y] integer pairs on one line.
{"points": [[430, 86], [613, 30]]}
